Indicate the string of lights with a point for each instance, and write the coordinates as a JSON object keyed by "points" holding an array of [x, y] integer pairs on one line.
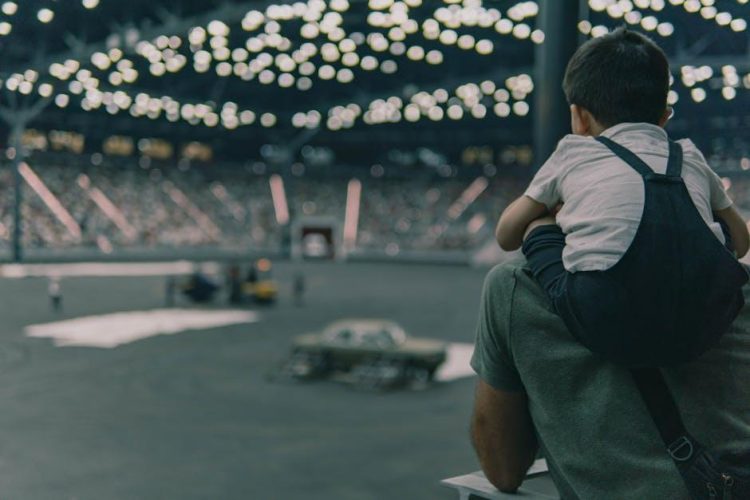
{"points": [[296, 46], [469, 99], [708, 11], [626, 9]]}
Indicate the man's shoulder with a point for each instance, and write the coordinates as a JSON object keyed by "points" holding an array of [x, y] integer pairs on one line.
{"points": [[513, 279], [505, 271]]}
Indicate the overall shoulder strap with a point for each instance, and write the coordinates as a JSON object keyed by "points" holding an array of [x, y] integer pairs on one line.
{"points": [[664, 412], [674, 166], [627, 156]]}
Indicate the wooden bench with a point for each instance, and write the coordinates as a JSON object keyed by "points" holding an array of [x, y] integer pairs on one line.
{"points": [[537, 485]]}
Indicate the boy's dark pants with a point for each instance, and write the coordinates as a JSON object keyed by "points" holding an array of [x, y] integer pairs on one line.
{"points": [[543, 249]]}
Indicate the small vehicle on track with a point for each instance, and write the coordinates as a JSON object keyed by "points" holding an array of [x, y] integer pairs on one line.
{"points": [[371, 353], [260, 286]]}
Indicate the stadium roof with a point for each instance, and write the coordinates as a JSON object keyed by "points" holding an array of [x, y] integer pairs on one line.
{"points": [[239, 74]]}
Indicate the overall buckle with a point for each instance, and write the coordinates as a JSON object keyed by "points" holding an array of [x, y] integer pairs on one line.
{"points": [[681, 450]]}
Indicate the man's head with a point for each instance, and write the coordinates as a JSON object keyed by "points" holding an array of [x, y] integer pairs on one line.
{"points": [[620, 77]]}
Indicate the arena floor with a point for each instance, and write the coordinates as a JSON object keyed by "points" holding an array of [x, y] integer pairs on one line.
{"points": [[195, 415]]}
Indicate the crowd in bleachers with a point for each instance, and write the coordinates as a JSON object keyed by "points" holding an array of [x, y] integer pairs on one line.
{"points": [[169, 207], [414, 215], [233, 208]]}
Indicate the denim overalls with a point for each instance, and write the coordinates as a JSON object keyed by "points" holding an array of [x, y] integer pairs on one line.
{"points": [[673, 293]]}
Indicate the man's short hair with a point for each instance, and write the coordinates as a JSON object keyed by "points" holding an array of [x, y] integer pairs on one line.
{"points": [[620, 77]]}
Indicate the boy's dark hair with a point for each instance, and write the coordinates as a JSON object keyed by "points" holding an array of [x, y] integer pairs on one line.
{"points": [[620, 77]]}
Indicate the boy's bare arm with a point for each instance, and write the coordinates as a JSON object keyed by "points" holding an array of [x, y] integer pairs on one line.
{"points": [[737, 229], [514, 221]]}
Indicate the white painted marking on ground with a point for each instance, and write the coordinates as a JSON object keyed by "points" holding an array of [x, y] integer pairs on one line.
{"points": [[111, 330], [456, 364], [105, 269]]}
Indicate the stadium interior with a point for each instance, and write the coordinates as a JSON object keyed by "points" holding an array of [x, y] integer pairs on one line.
{"points": [[352, 156]]}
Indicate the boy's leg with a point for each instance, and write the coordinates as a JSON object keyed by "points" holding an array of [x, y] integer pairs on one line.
{"points": [[543, 246], [547, 220]]}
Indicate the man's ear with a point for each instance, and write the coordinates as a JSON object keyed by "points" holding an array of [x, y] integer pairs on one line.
{"points": [[668, 113], [579, 120]]}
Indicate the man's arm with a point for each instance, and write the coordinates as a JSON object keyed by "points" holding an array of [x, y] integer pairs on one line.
{"points": [[515, 219], [737, 229], [503, 435]]}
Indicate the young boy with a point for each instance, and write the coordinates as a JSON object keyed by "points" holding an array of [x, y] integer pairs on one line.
{"points": [[625, 229]]}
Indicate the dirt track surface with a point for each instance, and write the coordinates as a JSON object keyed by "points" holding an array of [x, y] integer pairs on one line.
{"points": [[195, 416]]}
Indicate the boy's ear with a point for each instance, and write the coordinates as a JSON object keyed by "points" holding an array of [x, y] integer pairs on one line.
{"points": [[668, 113], [579, 120]]}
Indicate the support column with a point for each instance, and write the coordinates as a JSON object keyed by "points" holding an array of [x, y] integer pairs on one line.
{"points": [[559, 21], [15, 143], [17, 118]]}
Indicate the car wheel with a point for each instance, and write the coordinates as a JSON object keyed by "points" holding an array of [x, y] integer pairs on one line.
{"points": [[377, 375], [306, 365], [418, 377]]}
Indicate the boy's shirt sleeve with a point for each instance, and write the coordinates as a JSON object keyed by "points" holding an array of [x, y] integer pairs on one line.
{"points": [[544, 187], [719, 197]]}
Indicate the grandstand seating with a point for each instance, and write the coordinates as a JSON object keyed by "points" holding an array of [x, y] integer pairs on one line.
{"points": [[238, 211], [231, 207]]}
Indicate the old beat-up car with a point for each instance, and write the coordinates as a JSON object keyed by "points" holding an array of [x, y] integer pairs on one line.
{"points": [[373, 353]]}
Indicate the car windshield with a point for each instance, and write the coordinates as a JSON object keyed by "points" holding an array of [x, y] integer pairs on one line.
{"points": [[343, 336], [377, 338], [366, 335]]}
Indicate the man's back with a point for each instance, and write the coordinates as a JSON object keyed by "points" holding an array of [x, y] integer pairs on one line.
{"points": [[591, 423]]}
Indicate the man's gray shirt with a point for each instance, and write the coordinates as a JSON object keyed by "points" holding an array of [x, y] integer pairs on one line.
{"points": [[591, 423]]}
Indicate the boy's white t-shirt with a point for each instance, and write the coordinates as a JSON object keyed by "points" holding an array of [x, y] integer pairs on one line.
{"points": [[603, 196]]}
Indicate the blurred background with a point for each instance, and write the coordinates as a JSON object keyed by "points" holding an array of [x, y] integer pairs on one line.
{"points": [[245, 172]]}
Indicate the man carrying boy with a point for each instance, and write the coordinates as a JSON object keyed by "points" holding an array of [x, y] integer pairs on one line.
{"points": [[637, 244], [620, 229]]}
